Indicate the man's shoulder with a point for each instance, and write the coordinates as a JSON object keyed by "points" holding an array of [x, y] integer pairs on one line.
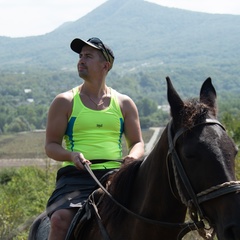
{"points": [[123, 97], [63, 99], [120, 96], [125, 102], [68, 95]]}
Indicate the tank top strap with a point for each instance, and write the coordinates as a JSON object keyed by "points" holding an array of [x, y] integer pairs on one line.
{"points": [[114, 100], [76, 101]]}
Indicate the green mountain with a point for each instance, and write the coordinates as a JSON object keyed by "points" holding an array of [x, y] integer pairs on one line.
{"points": [[149, 42]]}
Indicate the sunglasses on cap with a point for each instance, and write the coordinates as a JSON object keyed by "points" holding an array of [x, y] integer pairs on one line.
{"points": [[106, 53]]}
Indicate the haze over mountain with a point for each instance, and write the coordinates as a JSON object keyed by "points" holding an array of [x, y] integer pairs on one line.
{"points": [[143, 36]]}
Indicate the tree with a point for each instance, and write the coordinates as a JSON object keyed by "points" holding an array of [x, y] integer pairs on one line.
{"points": [[146, 107], [232, 125], [19, 124]]}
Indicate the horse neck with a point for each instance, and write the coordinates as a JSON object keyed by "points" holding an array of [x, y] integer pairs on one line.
{"points": [[155, 162], [153, 182]]}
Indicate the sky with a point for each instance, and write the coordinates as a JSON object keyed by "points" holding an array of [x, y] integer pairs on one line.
{"points": [[22, 18]]}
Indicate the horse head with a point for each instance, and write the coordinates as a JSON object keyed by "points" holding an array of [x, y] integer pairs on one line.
{"points": [[203, 157]]}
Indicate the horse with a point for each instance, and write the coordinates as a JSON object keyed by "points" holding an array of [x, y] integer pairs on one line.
{"points": [[190, 170]]}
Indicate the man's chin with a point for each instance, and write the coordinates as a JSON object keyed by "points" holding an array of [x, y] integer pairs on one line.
{"points": [[82, 74]]}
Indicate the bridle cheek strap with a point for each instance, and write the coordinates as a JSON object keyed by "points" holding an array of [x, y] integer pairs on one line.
{"points": [[180, 170], [211, 193]]}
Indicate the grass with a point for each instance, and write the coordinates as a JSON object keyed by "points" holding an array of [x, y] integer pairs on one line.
{"points": [[22, 145]]}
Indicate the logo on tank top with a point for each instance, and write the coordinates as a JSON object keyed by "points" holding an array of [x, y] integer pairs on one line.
{"points": [[99, 125]]}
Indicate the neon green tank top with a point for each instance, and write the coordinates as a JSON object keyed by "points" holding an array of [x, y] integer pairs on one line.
{"points": [[96, 134]]}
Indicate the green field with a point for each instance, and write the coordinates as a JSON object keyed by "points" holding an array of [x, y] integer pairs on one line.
{"points": [[22, 145], [31, 144]]}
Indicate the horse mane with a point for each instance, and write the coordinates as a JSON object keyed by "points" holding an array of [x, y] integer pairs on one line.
{"points": [[120, 188], [195, 112]]}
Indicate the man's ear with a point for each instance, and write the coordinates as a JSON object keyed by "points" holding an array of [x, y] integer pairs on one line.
{"points": [[107, 66]]}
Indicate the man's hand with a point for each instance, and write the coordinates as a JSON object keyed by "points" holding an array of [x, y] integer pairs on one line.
{"points": [[128, 159], [79, 160]]}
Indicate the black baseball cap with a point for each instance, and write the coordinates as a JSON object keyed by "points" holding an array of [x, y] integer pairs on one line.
{"points": [[77, 45]]}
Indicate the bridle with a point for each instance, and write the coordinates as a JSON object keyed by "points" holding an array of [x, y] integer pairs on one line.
{"points": [[196, 198]]}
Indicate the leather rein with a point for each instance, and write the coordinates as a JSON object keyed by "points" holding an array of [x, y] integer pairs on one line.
{"points": [[196, 199]]}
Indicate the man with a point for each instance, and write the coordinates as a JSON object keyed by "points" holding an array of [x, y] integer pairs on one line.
{"points": [[91, 118]]}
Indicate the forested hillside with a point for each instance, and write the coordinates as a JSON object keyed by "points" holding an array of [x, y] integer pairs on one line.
{"points": [[145, 37], [24, 102], [150, 42], [142, 35]]}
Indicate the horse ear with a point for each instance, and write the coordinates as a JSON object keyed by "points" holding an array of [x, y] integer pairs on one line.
{"points": [[208, 94], [175, 102]]}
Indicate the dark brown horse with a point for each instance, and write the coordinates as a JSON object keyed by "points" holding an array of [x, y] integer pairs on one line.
{"points": [[191, 167]]}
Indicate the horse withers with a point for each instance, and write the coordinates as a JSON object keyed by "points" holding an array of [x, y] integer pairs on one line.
{"points": [[192, 167]]}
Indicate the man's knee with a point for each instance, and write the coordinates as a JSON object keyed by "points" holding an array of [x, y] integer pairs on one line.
{"points": [[61, 219]]}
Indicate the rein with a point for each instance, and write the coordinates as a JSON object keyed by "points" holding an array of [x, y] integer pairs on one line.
{"points": [[186, 227]]}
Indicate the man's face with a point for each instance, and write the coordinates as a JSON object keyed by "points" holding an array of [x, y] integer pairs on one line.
{"points": [[91, 62]]}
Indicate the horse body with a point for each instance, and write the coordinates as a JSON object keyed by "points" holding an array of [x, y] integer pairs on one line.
{"points": [[191, 166]]}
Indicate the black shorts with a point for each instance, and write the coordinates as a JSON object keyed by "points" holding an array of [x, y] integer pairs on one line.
{"points": [[73, 187]]}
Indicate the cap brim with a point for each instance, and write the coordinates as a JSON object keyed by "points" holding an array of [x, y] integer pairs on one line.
{"points": [[77, 45]]}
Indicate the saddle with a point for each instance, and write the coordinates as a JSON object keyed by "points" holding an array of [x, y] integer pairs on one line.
{"points": [[88, 211]]}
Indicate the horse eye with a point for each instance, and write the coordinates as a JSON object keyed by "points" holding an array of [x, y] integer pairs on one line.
{"points": [[190, 156]]}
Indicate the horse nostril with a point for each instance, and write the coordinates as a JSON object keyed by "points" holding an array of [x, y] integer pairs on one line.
{"points": [[232, 232]]}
